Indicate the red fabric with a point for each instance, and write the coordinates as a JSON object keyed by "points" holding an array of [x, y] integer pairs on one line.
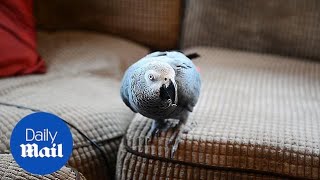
{"points": [[18, 53]]}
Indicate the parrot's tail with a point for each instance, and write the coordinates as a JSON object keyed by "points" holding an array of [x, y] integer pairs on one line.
{"points": [[193, 55]]}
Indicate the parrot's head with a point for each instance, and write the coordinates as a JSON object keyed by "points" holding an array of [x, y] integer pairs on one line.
{"points": [[160, 82]]}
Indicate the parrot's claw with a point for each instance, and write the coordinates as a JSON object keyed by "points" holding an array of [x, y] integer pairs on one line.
{"points": [[146, 140], [175, 146], [153, 130], [176, 136], [173, 137]]}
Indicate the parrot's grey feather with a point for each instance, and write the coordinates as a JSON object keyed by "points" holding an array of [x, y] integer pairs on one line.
{"points": [[125, 90]]}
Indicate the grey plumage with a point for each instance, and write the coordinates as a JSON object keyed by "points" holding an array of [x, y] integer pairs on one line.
{"points": [[160, 86]]}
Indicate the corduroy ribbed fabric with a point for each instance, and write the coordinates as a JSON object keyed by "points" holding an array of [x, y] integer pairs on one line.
{"points": [[287, 27], [81, 88], [9, 170], [155, 24], [257, 117]]}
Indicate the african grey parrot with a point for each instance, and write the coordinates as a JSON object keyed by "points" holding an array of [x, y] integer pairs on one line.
{"points": [[161, 86]]}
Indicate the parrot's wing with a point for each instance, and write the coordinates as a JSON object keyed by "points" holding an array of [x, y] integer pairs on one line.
{"points": [[174, 58], [125, 99], [124, 91]]}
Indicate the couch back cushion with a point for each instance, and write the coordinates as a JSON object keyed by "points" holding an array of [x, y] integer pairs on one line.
{"points": [[288, 27], [152, 23]]}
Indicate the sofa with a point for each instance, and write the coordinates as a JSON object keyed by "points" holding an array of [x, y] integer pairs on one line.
{"points": [[259, 109]]}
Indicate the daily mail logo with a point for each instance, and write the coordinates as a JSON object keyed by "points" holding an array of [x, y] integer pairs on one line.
{"points": [[41, 143], [32, 150]]}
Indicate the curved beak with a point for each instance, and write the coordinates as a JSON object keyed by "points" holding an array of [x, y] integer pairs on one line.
{"points": [[175, 95], [169, 92]]}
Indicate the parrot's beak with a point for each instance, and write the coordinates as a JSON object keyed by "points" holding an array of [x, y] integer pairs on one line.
{"points": [[169, 92], [175, 95]]}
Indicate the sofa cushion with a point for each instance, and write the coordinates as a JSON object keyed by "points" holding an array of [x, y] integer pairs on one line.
{"points": [[257, 117], [9, 169], [152, 23], [289, 27], [87, 52], [80, 87]]}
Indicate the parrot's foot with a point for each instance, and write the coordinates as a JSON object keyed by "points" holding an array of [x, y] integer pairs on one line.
{"points": [[176, 136], [150, 134], [156, 128], [175, 145], [174, 141], [189, 127], [173, 137]]}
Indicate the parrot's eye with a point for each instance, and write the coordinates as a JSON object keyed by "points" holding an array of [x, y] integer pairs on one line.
{"points": [[151, 77]]}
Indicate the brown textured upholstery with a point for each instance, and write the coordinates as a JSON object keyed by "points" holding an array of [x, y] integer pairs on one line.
{"points": [[153, 23], [258, 117], [9, 170], [287, 27], [81, 88]]}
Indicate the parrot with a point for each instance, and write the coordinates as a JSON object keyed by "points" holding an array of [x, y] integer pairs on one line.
{"points": [[162, 86]]}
